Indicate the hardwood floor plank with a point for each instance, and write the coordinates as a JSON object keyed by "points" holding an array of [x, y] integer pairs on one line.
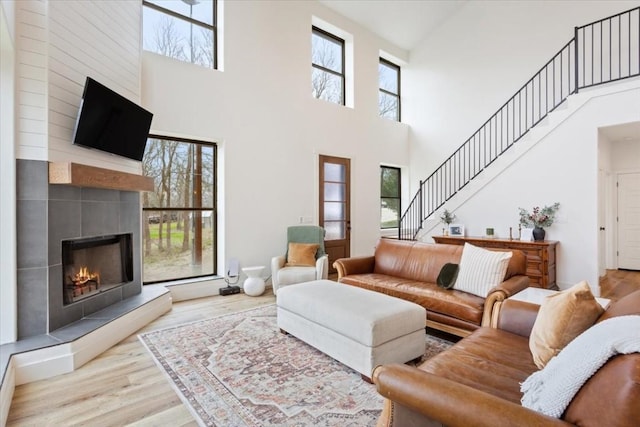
{"points": [[618, 283], [179, 416]]}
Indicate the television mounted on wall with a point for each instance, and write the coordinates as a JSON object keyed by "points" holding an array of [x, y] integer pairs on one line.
{"points": [[110, 122]]}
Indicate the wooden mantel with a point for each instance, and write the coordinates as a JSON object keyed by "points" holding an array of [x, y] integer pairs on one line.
{"points": [[90, 176]]}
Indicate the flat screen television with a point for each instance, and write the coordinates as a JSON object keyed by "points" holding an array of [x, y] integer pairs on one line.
{"points": [[109, 122]]}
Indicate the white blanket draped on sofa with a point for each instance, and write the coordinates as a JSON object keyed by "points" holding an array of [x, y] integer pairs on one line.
{"points": [[551, 389]]}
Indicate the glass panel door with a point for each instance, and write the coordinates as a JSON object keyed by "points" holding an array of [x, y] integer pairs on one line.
{"points": [[335, 206]]}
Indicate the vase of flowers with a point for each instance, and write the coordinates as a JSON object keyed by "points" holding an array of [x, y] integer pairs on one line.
{"points": [[538, 219], [447, 218]]}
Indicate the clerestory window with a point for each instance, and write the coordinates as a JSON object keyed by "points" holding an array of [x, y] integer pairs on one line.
{"points": [[327, 66], [182, 29], [389, 92]]}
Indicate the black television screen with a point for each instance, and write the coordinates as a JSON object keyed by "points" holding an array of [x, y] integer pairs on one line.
{"points": [[110, 122]]}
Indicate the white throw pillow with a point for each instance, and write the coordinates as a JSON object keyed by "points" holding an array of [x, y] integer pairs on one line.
{"points": [[481, 270]]}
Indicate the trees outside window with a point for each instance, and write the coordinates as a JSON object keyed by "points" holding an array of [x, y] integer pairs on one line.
{"points": [[389, 197], [327, 66], [182, 29], [389, 92], [179, 216]]}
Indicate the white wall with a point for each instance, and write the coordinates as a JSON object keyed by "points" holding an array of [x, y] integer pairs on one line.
{"points": [[470, 66], [626, 155], [31, 79], [8, 294], [270, 130], [562, 167]]}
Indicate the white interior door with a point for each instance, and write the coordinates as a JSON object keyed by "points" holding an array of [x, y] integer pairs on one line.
{"points": [[629, 221]]}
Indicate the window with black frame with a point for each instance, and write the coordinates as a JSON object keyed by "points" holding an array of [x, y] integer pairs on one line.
{"points": [[327, 66], [182, 29], [389, 197], [389, 92], [179, 216]]}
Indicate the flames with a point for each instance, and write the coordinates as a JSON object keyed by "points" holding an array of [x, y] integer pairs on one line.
{"points": [[84, 276]]}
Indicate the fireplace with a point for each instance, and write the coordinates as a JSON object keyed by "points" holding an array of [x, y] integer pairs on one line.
{"points": [[95, 264]]}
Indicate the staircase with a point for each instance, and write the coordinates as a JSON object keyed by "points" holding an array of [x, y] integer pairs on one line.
{"points": [[600, 52]]}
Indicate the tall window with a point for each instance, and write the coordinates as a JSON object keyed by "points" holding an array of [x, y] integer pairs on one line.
{"points": [[179, 217], [181, 29], [389, 197], [389, 96], [327, 66]]}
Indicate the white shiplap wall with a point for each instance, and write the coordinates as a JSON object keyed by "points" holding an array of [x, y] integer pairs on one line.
{"points": [[31, 82], [99, 39], [59, 44]]}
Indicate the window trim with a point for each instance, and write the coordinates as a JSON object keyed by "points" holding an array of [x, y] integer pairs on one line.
{"points": [[399, 198], [387, 92], [331, 37], [213, 208], [213, 27]]}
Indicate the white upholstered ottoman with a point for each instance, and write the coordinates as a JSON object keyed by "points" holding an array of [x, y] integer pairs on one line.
{"points": [[359, 328]]}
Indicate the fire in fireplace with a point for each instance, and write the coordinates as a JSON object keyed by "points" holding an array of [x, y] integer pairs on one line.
{"points": [[95, 264]]}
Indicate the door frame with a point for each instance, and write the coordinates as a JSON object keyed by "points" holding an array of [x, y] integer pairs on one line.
{"points": [[326, 158], [616, 201]]}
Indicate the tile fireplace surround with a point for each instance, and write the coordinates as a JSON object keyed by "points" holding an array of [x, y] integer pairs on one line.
{"points": [[47, 214]]}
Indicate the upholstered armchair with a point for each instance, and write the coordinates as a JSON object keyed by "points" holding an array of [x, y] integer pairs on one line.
{"points": [[304, 260]]}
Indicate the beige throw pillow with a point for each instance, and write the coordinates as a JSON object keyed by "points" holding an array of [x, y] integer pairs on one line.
{"points": [[481, 270], [302, 254], [562, 317]]}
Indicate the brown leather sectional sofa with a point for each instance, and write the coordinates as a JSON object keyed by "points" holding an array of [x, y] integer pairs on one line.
{"points": [[477, 381], [409, 270]]}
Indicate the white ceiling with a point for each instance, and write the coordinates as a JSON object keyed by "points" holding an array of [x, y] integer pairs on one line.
{"points": [[402, 22], [623, 132]]}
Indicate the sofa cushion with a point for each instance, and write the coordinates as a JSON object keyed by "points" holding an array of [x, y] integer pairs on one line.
{"points": [[562, 317], [481, 270], [448, 275], [291, 275], [449, 302], [490, 360], [413, 260]]}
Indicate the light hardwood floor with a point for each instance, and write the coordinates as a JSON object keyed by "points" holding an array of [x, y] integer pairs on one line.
{"points": [[123, 386]]}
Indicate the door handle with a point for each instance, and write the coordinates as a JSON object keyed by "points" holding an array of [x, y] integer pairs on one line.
{"points": [[601, 228]]}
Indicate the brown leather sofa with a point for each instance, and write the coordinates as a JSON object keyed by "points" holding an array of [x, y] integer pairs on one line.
{"points": [[477, 381], [409, 270]]}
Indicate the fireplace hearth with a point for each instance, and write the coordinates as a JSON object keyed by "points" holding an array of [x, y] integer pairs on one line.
{"points": [[95, 264]]}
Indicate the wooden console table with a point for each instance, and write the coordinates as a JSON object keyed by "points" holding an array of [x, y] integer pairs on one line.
{"points": [[541, 255]]}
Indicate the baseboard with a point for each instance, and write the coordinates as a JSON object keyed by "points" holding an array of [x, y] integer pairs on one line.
{"points": [[193, 290], [183, 291]]}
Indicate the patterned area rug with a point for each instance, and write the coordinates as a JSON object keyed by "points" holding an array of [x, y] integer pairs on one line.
{"points": [[239, 370]]}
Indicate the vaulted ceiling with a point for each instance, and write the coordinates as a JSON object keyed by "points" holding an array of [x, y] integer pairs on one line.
{"points": [[402, 22]]}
